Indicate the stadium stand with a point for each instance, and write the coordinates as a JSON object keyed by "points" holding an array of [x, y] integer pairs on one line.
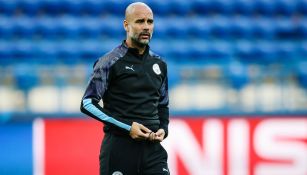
{"points": [[242, 39]]}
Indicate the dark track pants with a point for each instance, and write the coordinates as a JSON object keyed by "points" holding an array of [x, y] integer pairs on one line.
{"points": [[121, 155]]}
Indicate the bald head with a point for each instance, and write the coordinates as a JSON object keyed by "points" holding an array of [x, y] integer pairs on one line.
{"points": [[137, 8], [139, 25]]}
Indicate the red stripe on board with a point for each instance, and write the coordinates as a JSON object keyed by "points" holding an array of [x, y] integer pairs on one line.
{"points": [[72, 146]]}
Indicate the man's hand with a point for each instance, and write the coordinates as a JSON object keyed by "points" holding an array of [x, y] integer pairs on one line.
{"points": [[158, 136], [139, 131]]}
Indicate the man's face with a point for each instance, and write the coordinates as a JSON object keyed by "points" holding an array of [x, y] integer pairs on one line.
{"points": [[139, 25]]}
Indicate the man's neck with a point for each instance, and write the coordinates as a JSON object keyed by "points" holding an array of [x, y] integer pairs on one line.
{"points": [[141, 49]]}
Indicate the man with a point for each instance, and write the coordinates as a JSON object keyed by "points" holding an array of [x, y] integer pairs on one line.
{"points": [[132, 83]]}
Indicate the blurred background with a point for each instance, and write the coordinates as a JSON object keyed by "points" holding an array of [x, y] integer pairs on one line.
{"points": [[225, 58], [237, 56]]}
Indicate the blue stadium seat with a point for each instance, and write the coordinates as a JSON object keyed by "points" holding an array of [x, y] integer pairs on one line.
{"points": [[199, 51], [244, 7], [241, 28], [69, 52], [181, 7], [25, 27], [237, 74], [177, 28], [263, 28], [91, 51], [112, 27], [173, 74], [302, 73], [287, 7], [265, 52], [223, 7], [90, 27], [160, 29], [220, 52], [6, 28], [69, 27], [285, 28], [52, 7], [302, 50], [46, 52], [302, 6], [178, 51], [47, 27], [107, 45], [30, 7], [74, 7], [94, 7], [6, 52], [160, 7], [8, 7], [266, 7], [244, 51], [220, 27], [287, 51], [23, 51], [159, 46], [199, 28], [202, 7], [302, 28], [115, 7], [25, 77]]}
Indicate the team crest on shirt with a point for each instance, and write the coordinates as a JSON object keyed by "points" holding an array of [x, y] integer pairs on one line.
{"points": [[156, 69], [117, 173]]}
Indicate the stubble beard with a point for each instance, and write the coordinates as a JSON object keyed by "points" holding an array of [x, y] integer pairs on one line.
{"points": [[136, 40]]}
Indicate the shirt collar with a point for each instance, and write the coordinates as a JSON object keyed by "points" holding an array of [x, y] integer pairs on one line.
{"points": [[135, 51]]}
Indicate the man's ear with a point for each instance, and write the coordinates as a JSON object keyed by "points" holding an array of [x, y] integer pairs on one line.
{"points": [[126, 25]]}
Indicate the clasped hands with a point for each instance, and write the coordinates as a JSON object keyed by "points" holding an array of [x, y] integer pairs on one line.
{"points": [[140, 132]]}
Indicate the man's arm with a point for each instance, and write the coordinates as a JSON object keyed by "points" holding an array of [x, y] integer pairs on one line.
{"points": [[163, 110], [94, 93]]}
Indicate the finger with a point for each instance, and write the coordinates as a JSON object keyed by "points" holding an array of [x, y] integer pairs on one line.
{"points": [[160, 132], [143, 135], [159, 138], [160, 135], [152, 136], [144, 129]]}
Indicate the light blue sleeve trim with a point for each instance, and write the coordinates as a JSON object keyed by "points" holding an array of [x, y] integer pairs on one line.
{"points": [[88, 105]]}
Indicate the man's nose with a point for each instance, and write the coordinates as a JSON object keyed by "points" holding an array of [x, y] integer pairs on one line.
{"points": [[146, 26]]}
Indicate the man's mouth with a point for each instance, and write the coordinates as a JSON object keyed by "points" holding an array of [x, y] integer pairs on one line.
{"points": [[145, 36]]}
